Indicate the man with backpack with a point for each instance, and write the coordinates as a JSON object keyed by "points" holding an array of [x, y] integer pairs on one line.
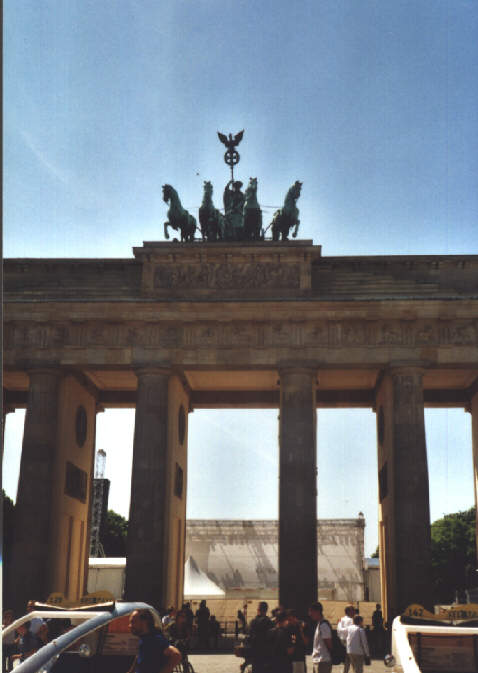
{"points": [[322, 645], [259, 639]]}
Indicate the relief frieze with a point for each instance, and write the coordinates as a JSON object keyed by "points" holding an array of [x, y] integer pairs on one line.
{"points": [[240, 334], [393, 333], [282, 334], [458, 334], [213, 275]]}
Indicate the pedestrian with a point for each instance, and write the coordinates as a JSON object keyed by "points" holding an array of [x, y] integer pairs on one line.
{"points": [[214, 631], [36, 622], [179, 635], [189, 615], [27, 642], [259, 642], [378, 630], [8, 643], [242, 621], [281, 645], [299, 641], [342, 630], [43, 634], [202, 618], [276, 611], [357, 645], [179, 629], [155, 654], [322, 645], [169, 617], [309, 631]]}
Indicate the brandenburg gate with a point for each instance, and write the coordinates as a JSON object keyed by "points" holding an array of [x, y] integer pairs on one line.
{"points": [[257, 324]]}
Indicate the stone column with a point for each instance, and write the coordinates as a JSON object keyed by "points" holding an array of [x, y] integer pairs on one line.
{"points": [[405, 546], [297, 489], [474, 432], [146, 553], [7, 409], [30, 550]]}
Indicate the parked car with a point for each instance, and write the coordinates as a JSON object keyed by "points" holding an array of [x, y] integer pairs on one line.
{"points": [[85, 640], [423, 645]]}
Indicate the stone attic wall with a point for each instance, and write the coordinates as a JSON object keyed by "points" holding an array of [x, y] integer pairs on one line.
{"points": [[242, 556]]}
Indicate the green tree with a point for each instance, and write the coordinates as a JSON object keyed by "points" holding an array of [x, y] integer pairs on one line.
{"points": [[454, 554], [115, 534]]}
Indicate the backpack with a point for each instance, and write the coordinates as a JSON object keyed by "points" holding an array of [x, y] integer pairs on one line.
{"points": [[338, 650]]}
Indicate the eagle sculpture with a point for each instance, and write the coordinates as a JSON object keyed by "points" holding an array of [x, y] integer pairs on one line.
{"points": [[231, 142]]}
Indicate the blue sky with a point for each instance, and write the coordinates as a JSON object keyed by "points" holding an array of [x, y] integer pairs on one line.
{"points": [[373, 104]]}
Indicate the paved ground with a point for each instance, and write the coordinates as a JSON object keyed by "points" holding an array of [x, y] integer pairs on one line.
{"points": [[228, 663]]}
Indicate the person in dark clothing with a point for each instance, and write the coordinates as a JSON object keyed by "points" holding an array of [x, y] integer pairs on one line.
{"points": [[27, 643], [9, 646], [377, 617], [155, 654], [299, 641], [202, 618], [189, 615], [310, 626], [378, 633], [282, 647], [259, 642], [242, 621], [214, 631], [179, 634]]}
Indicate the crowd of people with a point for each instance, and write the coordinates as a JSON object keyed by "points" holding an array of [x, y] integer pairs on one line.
{"points": [[178, 627], [280, 643], [181, 625], [275, 644], [29, 636]]}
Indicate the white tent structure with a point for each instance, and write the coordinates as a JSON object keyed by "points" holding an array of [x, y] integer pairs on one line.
{"points": [[197, 584]]}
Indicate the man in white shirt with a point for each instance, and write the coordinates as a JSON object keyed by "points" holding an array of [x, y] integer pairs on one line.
{"points": [[322, 645], [342, 628], [357, 644]]}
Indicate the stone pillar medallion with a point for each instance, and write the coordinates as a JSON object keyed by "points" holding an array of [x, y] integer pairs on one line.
{"points": [[297, 488], [30, 551], [146, 554]]}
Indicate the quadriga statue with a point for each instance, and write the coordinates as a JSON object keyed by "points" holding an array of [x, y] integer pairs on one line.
{"points": [[210, 219], [178, 217], [252, 213], [288, 216]]}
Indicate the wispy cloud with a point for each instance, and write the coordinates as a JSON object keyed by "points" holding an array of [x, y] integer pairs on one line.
{"points": [[54, 170], [79, 192]]}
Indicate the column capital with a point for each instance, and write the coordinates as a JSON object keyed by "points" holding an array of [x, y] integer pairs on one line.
{"points": [[144, 370], [45, 371], [407, 368], [297, 367]]}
